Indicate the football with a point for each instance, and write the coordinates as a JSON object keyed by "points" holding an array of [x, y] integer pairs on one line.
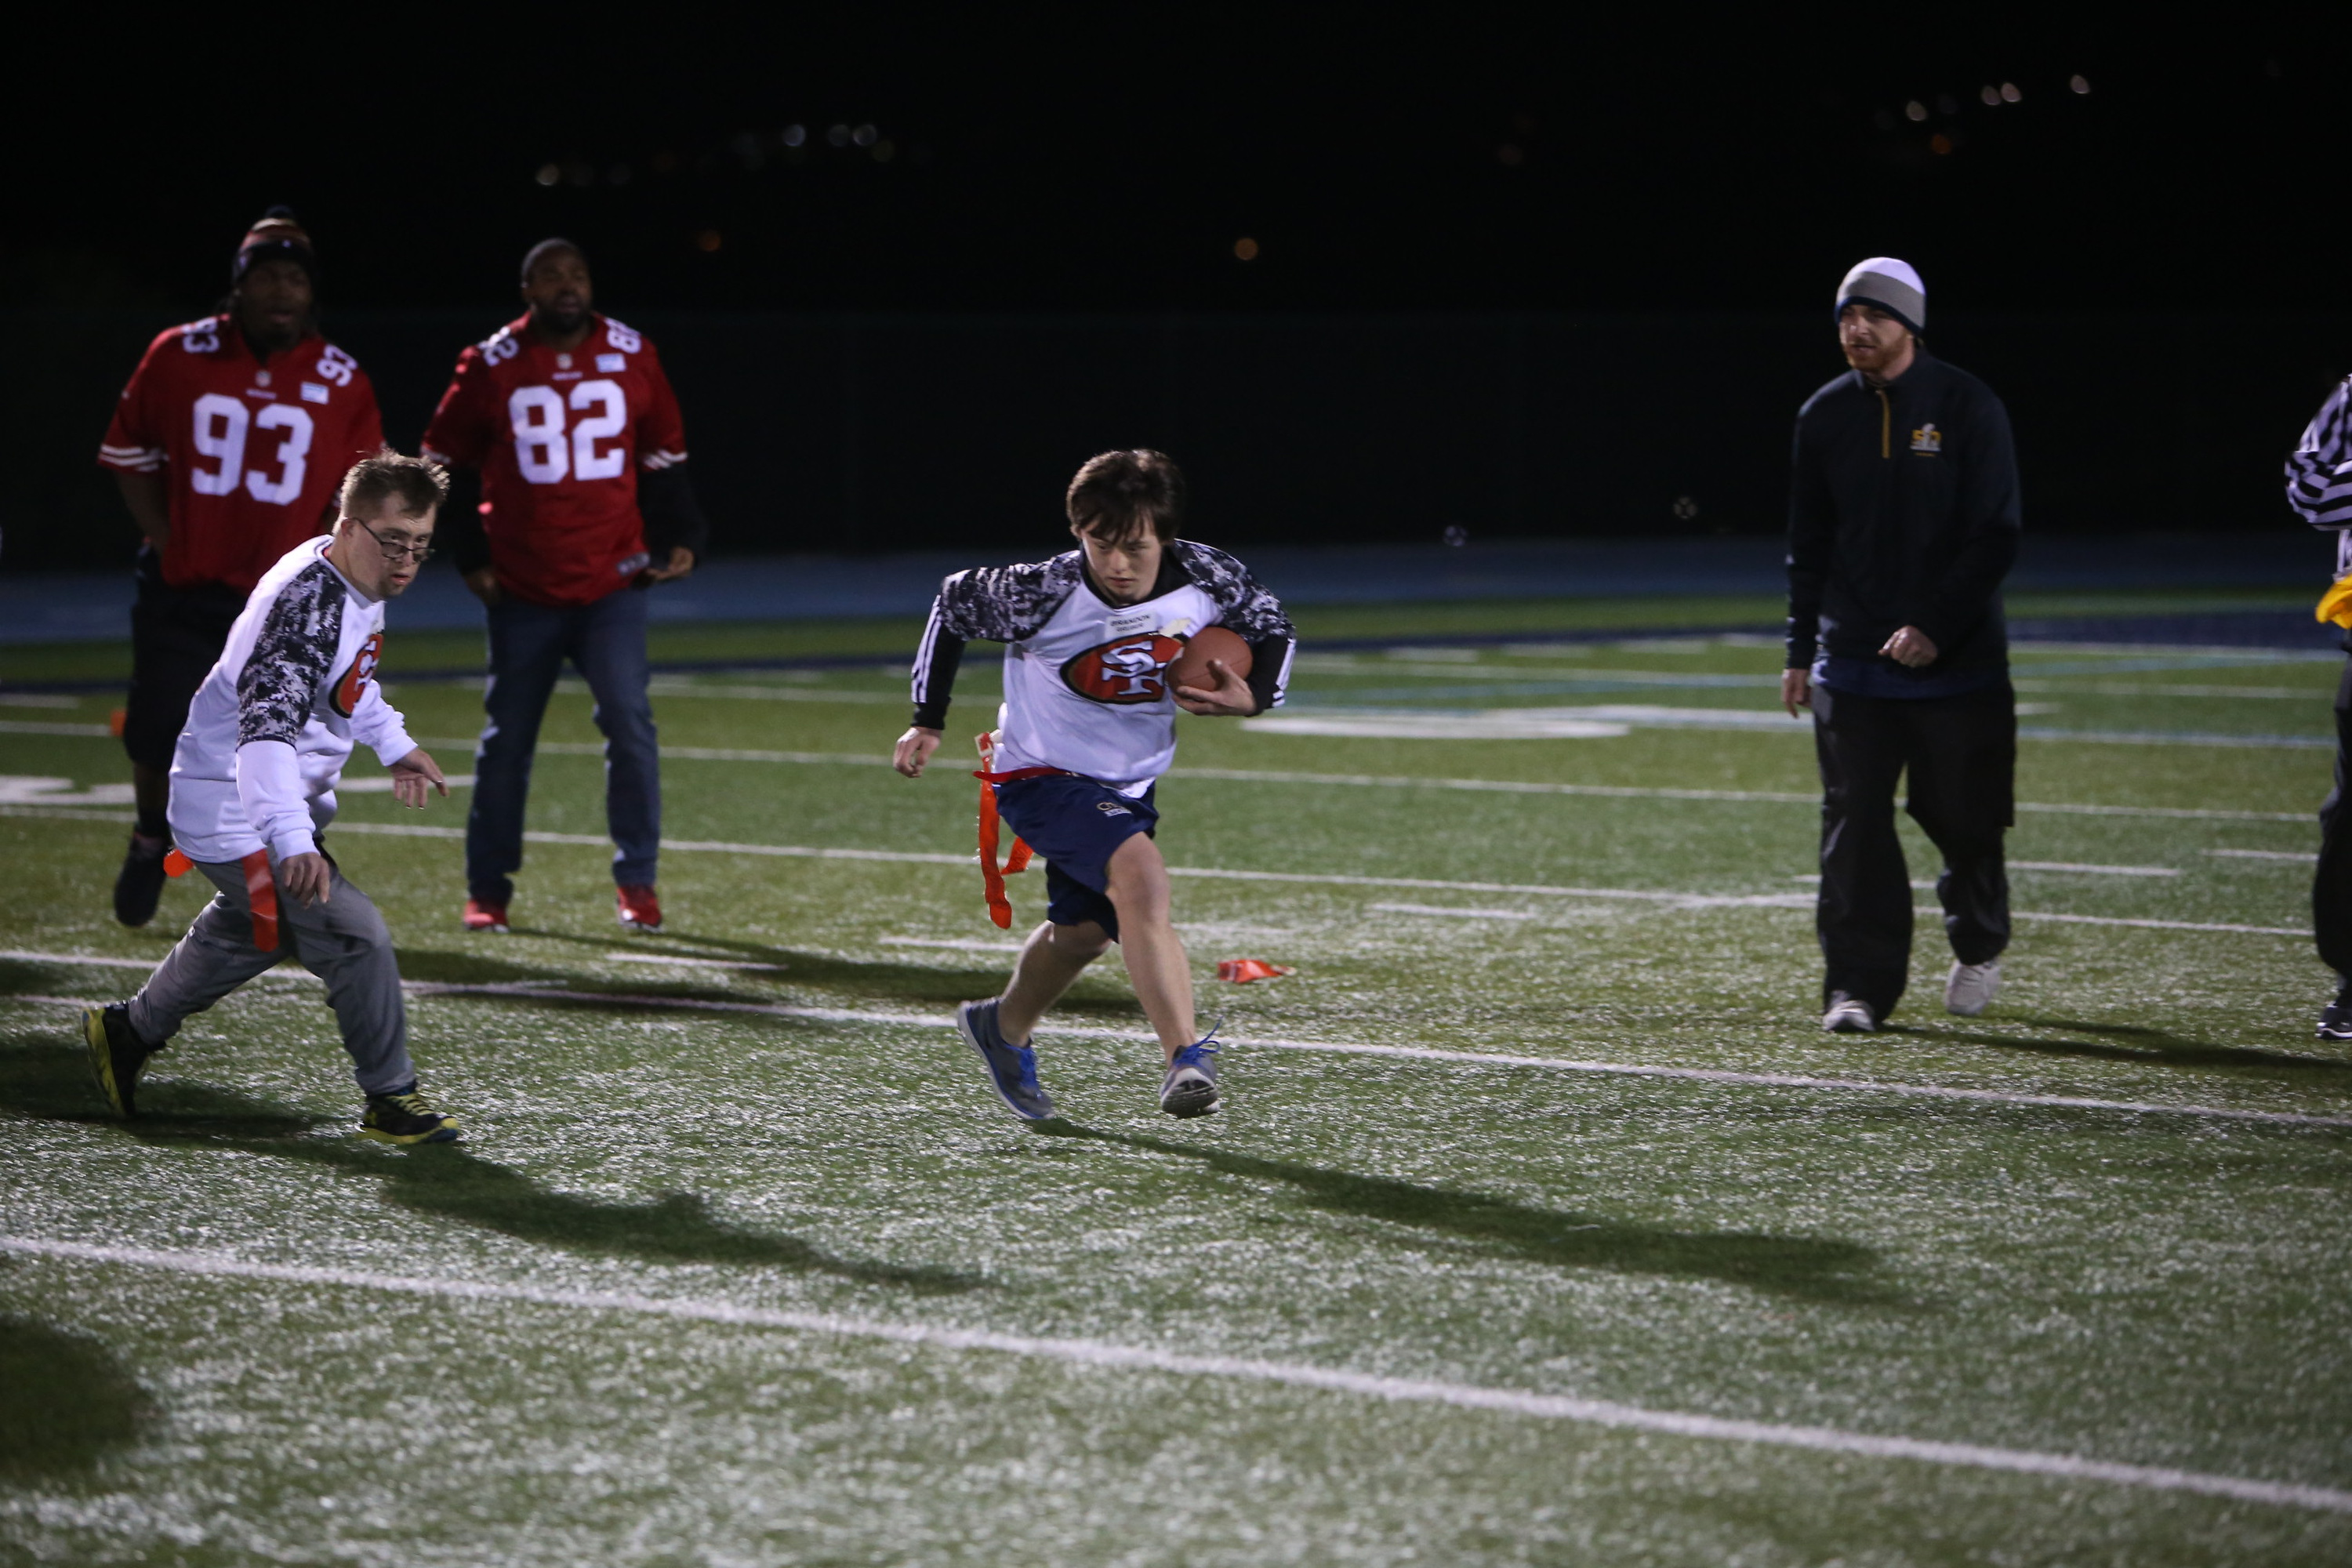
{"points": [[1192, 667]]}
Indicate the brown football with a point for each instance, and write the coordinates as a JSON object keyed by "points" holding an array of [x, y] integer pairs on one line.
{"points": [[1191, 666]]}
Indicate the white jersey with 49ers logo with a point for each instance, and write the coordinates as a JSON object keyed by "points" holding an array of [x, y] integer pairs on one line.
{"points": [[276, 719], [1085, 680]]}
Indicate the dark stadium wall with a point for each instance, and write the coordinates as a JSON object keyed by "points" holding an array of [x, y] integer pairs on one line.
{"points": [[868, 432]]}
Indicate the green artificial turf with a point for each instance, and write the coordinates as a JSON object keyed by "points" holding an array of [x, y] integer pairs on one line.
{"points": [[787, 1125]]}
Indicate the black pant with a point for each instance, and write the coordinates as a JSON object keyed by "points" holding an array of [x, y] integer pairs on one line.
{"points": [[176, 637], [2331, 884], [1962, 756]]}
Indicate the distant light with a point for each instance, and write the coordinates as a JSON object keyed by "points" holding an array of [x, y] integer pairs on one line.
{"points": [[1456, 535], [1914, 112], [2078, 84], [1245, 249], [549, 173], [838, 135], [2009, 93], [1939, 144], [1685, 508], [885, 150], [1990, 94], [864, 135], [707, 241], [794, 135]]}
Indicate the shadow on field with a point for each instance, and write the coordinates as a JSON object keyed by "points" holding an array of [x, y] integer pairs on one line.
{"points": [[2129, 1043], [675, 1227], [70, 1401], [51, 1083], [883, 979], [1816, 1271]]}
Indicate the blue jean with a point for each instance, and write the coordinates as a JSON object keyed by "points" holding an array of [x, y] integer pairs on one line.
{"points": [[605, 641]]}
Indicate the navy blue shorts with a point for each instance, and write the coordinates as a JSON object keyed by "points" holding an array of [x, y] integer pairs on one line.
{"points": [[1078, 825]]}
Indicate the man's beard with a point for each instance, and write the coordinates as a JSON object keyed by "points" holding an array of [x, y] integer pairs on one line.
{"points": [[561, 324]]}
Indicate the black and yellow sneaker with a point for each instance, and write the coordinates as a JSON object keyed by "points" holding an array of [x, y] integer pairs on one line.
{"points": [[118, 1056], [406, 1117]]}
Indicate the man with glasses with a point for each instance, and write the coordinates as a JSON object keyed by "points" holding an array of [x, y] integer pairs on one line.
{"points": [[253, 789], [227, 446], [571, 421]]}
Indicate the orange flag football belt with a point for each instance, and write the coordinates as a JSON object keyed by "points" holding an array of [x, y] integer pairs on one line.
{"points": [[260, 892], [1000, 908]]}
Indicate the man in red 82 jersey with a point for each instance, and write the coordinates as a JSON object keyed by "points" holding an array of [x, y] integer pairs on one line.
{"points": [[570, 422], [227, 446]]}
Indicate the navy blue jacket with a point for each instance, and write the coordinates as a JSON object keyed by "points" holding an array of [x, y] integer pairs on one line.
{"points": [[1903, 511]]}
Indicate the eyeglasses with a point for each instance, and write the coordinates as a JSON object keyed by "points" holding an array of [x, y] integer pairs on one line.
{"points": [[396, 553]]}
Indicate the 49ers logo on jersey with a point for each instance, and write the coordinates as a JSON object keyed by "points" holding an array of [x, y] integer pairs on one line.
{"points": [[1124, 669], [354, 684]]}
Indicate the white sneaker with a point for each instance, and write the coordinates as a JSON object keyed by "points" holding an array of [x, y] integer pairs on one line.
{"points": [[1971, 986], [1848, 1016]]}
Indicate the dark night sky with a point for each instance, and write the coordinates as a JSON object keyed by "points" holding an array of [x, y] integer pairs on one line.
{"points": [[1465, 160]]}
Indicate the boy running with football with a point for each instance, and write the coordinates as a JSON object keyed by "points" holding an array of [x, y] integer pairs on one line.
{"points": [[1087, 726]]}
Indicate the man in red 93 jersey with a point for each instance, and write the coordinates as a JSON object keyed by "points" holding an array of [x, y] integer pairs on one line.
{"points": [[570, 424], [227, 446]]}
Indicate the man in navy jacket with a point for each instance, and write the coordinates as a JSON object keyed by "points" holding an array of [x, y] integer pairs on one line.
{"points": [[1903, 520]]}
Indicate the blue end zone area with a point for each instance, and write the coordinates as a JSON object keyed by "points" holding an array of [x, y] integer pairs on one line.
{"points": [[55, 608]]}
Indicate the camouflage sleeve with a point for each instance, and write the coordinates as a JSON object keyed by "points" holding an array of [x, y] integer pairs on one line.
{"points": [[1005, 603], [1246, 607], [991, 604], [293, 657]]}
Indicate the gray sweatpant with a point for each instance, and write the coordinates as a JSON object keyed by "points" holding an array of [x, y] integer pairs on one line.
{"points": [[343, 939]]}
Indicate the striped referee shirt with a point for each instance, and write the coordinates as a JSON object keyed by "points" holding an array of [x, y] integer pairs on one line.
{"points": [[2319, 475]]}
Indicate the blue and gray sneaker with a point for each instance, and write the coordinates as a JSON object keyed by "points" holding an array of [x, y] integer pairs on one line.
{"points": [[1190, 1086], [1012, 1069]]}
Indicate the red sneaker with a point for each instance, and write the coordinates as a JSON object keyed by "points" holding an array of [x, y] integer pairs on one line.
{"points": [[480, 916], [639, 909]]}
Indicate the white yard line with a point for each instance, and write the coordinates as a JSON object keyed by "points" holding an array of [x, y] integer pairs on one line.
{"points": [[540, 990], [534, 989], [1662, 897], [1389, 781], [960, 943], [84, 960], [2094, 870], [686, 754], [2144, 925], [38, 727], [2303, 857], [1108, 1356], [1458, 912], [1644, 792]]}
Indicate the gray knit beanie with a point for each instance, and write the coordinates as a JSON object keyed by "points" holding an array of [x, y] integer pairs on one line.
{"points": [[1890, 285]]}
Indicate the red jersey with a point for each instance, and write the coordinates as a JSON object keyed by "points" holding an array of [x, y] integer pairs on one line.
{"points": [[253, 452], [559, 438]]}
